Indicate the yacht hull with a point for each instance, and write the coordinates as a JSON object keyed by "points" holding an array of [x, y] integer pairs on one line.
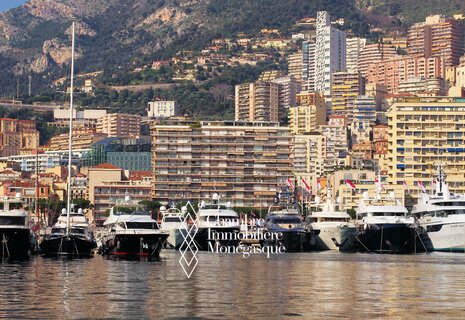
{"points": [[334, 238], [387, 238], [135, 245], [291, 240], [70, 246], [204, 236], [446, 237], [15, 243], [176, 238]]}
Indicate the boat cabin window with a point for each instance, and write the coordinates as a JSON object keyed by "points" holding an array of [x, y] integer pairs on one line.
{"points": [[388, 214], [141, 225], [15, 205], [135, 210], [445, 213], [174, 219], [58, 230], [77, 230], [215, 206], [12, 221], [285, 220], [450, 204], [334, 219]]}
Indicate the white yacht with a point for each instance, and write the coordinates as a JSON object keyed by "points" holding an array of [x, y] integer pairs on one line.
{"points": [[131, 231], [332, 229], [173, 221], [383, 224], [216, 223], [14, 229], [442, 217]]}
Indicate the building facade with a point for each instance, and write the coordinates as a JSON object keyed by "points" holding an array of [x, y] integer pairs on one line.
{"points": [[424, 132], [18, 137], [346, 87], [245, 163], [120, 125], [161, 109]]}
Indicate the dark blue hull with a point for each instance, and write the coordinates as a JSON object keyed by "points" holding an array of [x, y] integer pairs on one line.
{"points": [[70, 246], [15, 243], [387, 238]]}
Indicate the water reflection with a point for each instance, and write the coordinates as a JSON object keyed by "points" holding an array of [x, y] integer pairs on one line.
{"points": [[311, 285]]}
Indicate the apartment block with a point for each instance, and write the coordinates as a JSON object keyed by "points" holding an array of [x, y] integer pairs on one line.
{"points": [[81, 140], [257, 102], [308, 66], [330, 53], [422, 133], [346, 87], [374, 53], [294, 65], [17, 137], [437, 36], [120, 125], [392, 72], [434, 87], [354, 48], [86, 119], [309, 154], [161, 109], [245, 163], [306, 118]]}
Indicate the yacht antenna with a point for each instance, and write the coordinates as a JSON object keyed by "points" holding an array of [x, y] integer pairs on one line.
{"points": [[70, 132]]}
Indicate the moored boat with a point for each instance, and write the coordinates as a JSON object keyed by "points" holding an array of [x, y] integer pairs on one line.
{"points": [[14, 229]]}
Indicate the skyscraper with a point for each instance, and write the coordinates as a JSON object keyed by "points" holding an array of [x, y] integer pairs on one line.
{"points": [[330, 52]]}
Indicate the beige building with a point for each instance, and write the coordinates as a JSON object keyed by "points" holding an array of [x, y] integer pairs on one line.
{"points": [[120, 125], [81, 140], [424, 132], [373, 53], [18, 137], [309, 155], [245, 163], [434, 87], [345, 88], [294, 66], [257, 101], [306, 118], [86, 119]]}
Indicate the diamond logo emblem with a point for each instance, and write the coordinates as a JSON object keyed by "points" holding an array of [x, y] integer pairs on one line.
{"points": [[188, 249]]}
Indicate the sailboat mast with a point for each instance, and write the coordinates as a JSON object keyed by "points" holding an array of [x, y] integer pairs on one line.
{"points": [[68, 208]]}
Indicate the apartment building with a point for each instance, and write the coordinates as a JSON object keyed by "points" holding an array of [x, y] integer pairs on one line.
{"points": [[294, 65], [434, 87], [374, 53], [391, 73], [86, 119], [437, 36], [306, 118], [257, 101], [308, 66], [309, 155], [17, 137], [161, 109], [120, 125], [81, 140], [245, 163], [354, 47], [346, 87], [422, 133], [330, 53]]}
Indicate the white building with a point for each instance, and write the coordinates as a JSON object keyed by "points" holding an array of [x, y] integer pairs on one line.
{"points": [[308, 66], [161, 109], [83, 118], [353, 48], [330, 53]]}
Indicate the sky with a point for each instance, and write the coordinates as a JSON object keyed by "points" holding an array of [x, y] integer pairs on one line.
{"points": [[8, 4]]}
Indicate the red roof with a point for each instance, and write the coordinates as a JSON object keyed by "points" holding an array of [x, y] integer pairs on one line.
{"points": [[106, 166]]}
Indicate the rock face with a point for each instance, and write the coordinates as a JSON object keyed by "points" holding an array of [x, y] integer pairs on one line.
{"points": [[59, 52], [40, 64]]}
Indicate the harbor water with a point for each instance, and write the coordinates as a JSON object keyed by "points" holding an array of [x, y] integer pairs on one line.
{"points": [[304, 285]]}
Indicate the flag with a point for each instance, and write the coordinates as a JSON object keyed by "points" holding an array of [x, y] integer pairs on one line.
{"points": [[406, 186], [318, 184], [434, 181], [306, 185], [350, 184], [379, 183], [420, 184], [290, 183]]}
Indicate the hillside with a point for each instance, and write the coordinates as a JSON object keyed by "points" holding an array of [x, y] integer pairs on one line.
{"points": [[121, 34]]}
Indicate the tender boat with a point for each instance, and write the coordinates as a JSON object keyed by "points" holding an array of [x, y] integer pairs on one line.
{"points": [[217, 225], [173, 221], [285, 218], [14, 229], [72, 237], [383, 225], [332, 229], [131, 231], [441, 216]]}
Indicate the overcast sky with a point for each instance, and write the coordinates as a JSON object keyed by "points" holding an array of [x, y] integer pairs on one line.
{"points": [[8, 4]]}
